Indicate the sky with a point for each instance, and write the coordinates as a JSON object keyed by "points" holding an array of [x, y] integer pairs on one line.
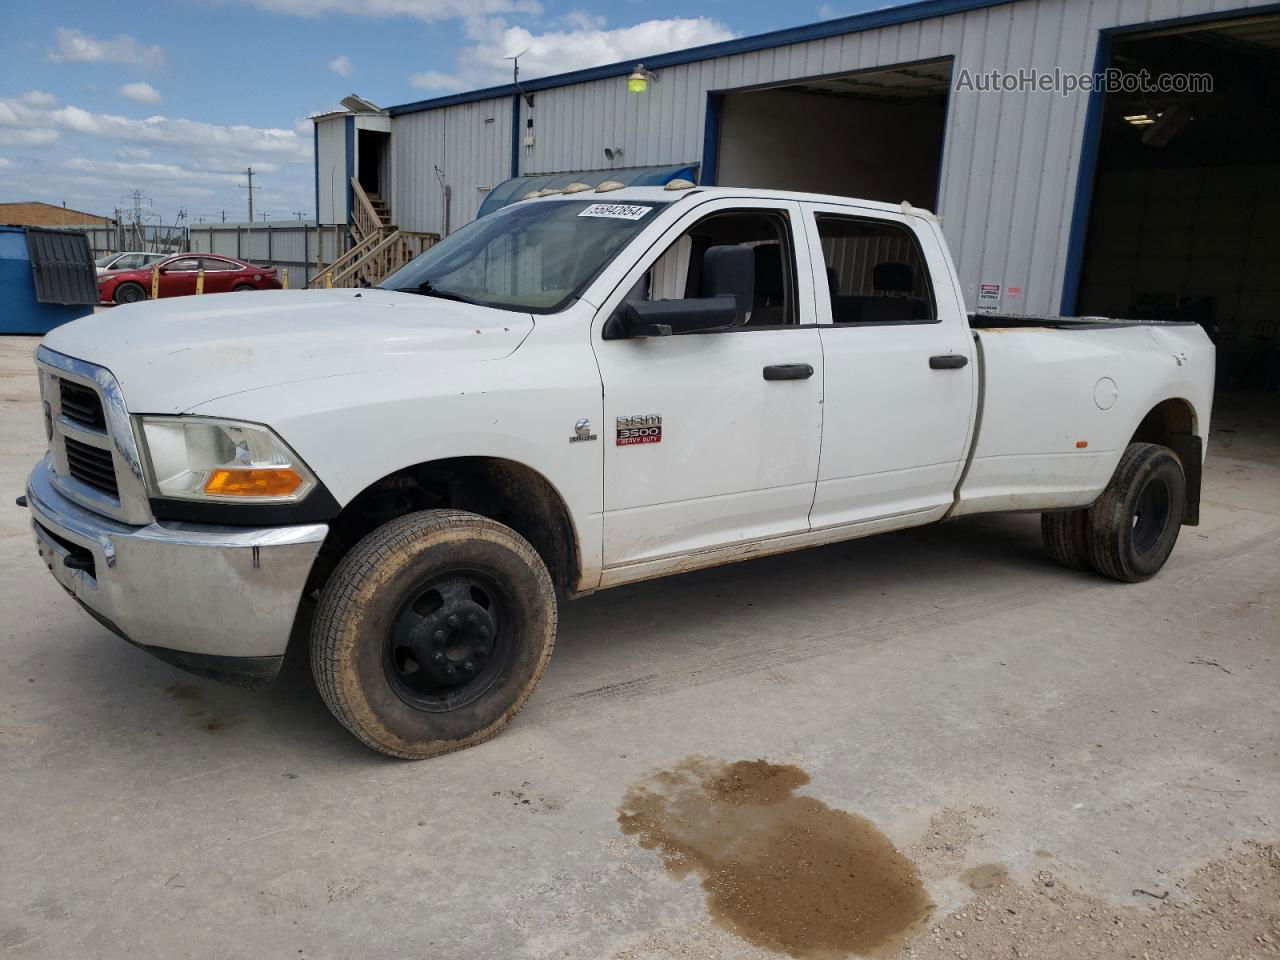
{"points": [[173, 99]]}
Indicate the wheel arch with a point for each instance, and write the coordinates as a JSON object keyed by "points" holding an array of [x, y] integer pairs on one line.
{"points": [[1175, 423], [507, 491]]}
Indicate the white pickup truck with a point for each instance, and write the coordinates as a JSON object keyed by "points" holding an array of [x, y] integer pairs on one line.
{"points": [[578, 391]]}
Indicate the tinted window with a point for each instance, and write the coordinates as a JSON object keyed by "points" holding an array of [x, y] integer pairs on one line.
{"points": [[677, 274], [875, 272], [183, 265], [210, 263]]}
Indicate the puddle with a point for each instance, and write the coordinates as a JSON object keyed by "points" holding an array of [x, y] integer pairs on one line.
{"points": [[782, 871]]}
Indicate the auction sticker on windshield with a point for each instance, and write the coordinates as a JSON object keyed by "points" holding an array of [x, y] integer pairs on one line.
{"points": [[616, 211]]}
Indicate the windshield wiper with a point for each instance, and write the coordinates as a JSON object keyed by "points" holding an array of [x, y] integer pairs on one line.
{"points": [[426, 289]]}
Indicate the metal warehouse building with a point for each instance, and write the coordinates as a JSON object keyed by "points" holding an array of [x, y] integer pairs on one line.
{"points": [[1132, 203]]}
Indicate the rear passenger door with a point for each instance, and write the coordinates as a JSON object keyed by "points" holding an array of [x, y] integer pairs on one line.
{"points": [[899, 386], [219, 274]]}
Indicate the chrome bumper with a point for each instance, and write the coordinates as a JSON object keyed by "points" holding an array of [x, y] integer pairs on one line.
{"points": [[219, 601]]}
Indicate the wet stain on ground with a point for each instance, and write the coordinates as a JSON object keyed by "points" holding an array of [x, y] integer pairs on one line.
{"points": [[986, 876], [183, 691], [782, 871]]}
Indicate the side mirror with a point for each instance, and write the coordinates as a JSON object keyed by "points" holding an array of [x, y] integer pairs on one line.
{"points": [[728, 288], [162, 269]]}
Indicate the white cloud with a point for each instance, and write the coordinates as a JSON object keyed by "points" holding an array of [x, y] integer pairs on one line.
{"points": [[5, 163], [584, 43], [133, 153], [239, 141], [35, 137], [141, 91], [428, 11], [341, 65], [77, 46], [39, 98]]}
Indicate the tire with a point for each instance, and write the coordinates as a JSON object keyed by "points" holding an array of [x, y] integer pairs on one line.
{"points": [[1066, 537], [241, 288], [129, 293], [432, 633], [1134, 524]]}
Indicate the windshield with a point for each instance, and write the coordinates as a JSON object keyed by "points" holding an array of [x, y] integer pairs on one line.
{"points": [[532, 257], [103, 261]]}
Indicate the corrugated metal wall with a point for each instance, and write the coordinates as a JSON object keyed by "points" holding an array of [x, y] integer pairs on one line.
{"points": [[291, 246], [469, 143], [1010, 160]]}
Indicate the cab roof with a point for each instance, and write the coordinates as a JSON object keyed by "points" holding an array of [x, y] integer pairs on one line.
{"points": [[663, 195]]}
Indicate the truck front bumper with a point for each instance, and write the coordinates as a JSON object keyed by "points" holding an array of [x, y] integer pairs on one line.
{"points": [[216, 601]]}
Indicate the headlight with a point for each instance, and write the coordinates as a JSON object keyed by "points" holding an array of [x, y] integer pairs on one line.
{"points": [[199, 458]]}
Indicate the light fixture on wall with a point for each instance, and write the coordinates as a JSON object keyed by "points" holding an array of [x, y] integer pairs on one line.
{"points": [[638, 82]]}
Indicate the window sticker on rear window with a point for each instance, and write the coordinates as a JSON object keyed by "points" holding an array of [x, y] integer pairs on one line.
{"points": [[616, 211]]}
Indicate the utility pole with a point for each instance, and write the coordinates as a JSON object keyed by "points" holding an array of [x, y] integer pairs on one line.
{"points": [[249, 186], [224, 215]]}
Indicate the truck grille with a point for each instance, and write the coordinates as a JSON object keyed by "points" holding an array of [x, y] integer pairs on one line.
{"points": [[81, 404], [92, 466]]}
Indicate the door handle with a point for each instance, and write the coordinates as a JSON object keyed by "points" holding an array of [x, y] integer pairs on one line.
{"points": [[948, 361], [788, 371]]}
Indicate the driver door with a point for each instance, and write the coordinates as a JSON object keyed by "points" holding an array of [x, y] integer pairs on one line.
{"points": [[178, 277], [711, 438]]}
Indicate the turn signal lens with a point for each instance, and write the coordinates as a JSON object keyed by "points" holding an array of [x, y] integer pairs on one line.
{"points": [[253, 482]]}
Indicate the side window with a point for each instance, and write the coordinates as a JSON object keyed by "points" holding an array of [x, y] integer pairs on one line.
{"points": [[677, 274], [183, 265], [213, 263], [131, 261], [875, 271]]}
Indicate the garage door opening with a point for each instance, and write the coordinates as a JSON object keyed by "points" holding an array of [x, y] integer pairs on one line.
{"points": [[875, 134], [1186, 196]]}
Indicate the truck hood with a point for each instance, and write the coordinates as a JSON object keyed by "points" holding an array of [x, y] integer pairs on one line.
{"points": [[172, 355]]}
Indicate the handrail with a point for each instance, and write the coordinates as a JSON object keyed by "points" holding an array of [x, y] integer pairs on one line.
{"points": [[364, 217], [355, 268], [356, 252]]}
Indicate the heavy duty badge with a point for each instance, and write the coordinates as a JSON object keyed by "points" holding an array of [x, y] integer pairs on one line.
{"points": [[646, 428]]}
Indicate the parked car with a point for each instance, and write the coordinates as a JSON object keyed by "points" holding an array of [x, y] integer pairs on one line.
{"points": [[572, 393], [130, 260], [178, 278]]}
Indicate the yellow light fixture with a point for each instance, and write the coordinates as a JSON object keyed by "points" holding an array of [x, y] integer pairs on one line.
{"points": [[638, 82]]}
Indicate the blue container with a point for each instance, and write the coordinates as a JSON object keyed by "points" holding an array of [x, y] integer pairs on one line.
{"points": [[20, 310]]}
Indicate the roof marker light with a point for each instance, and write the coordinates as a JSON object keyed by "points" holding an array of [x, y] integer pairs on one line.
{"points": [[609, 186], [679, 183], [576, 187]]}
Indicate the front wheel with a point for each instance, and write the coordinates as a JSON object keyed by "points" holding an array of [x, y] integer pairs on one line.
{"points": [[1134, 524], [130, 293], [241, 288], [432, 633]]}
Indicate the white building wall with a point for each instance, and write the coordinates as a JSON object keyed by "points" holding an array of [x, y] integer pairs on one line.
{"points": [[1010, 160], [331, 169], [471, 145]]}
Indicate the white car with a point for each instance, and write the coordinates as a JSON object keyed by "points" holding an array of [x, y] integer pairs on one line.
{"points": [[129, 260], [577, 392]]}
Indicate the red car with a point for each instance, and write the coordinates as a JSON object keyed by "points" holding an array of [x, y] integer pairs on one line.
{"points": [[178, 278]]}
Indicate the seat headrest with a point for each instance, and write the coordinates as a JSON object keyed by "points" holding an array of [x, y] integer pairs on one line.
{"points": [[894, 277]]}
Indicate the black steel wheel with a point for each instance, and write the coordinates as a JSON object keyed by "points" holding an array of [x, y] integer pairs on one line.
{"points": [[432, 632], [130, 293], [447, 645], [1134, 524]]}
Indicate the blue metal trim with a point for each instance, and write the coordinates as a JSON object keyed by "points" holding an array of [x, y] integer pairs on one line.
{"points": [[872, 20], [516, 100], [711, 140], [315, 156], [1083, 203], [351, 164]]}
